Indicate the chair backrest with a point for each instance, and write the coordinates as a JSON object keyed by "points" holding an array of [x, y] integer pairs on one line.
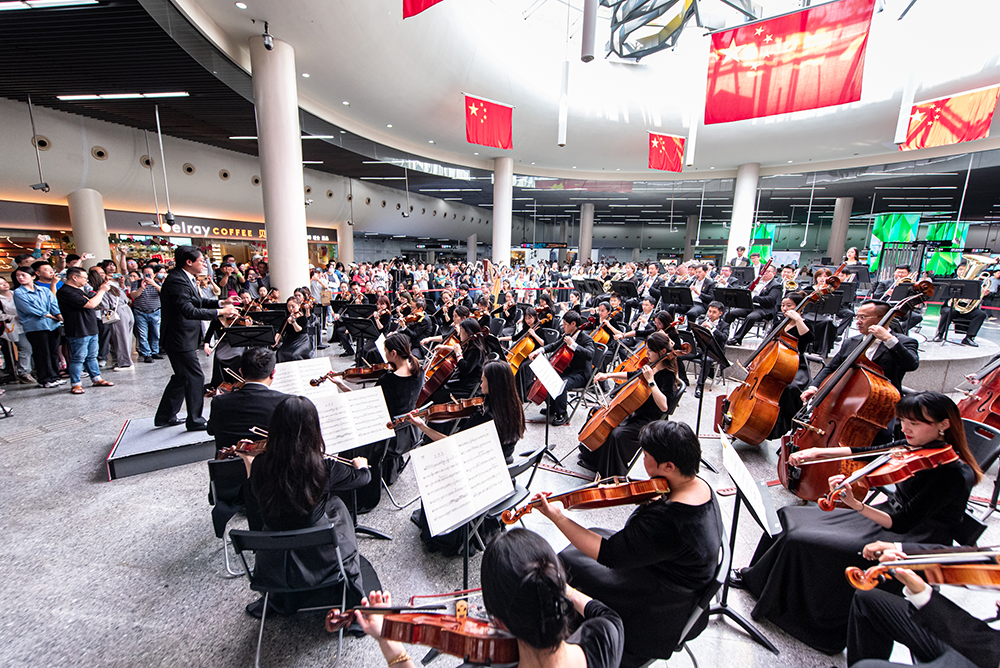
{"points": [[968, 530], [524, 463], [692, 629], [688, 337], [225, 477], [281, 573], [600, 352], [984, 442], [263, 541], [675, 397], [549, 335], [496, 326]]}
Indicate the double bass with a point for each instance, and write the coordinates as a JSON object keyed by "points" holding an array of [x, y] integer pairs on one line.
{"points": [[851, 406], [751, 409]]}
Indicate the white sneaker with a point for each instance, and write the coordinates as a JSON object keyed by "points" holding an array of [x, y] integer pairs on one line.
{"points": [[61, 381], [124, 368]]}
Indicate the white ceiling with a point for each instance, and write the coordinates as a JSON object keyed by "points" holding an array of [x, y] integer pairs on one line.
{"points": [[411, 74]]}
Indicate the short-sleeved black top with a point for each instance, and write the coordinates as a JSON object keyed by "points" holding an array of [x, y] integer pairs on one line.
{"points": [[77, 319]]}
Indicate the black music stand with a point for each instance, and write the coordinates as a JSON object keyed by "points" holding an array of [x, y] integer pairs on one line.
{"points": [[359, 310], [338, 305], [744, 275], [360, 329], [279, 306], [626, 289], [735, 298], [678, 296], [251, 337], [273, 319], [957, 289], [709, 349], [864, 277], [828, 305], [848, 292]]}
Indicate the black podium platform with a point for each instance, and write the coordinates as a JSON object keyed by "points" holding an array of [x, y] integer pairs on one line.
{"points": [[141, 448]]}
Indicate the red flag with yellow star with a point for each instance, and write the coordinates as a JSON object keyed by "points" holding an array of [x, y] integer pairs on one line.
{"points": [[805, 60], [488, 123], [951, 120], [666, 152], [414, 7]]}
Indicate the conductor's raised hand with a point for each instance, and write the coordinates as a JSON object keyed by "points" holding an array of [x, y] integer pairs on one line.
{"points": [[228, 309], [229, 300]]}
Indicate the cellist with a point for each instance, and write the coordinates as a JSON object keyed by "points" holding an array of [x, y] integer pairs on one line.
{"points": [[613, 457], [790, 400], [578, 371]]}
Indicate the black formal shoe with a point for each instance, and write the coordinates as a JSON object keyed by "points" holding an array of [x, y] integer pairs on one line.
{"points": [[969, 342], [169, 423], [585, 465], [198, 425], [560, 420], [322, 347], [938, 339], [732, 342], [147, 360], [347, 354], [736, 579], [157, 356], [256, 609]]}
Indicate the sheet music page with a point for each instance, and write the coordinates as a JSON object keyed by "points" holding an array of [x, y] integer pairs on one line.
{"points": [[336, 423], [294, 377], [547, 375], [748, 486], [380, 347], [460, 477], [368, 412]]}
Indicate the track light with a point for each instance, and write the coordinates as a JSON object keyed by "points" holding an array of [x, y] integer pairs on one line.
{"points": [[43, 186], [148, 223]]}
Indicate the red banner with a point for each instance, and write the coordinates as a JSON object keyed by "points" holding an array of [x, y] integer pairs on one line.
{"points": [[488, 123], [666, 152], [414, 7], [951, 120], [807, 60]]}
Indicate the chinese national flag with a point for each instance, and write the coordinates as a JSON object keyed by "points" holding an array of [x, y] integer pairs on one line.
{"points": [[666, 152], [488, 123], [951, 120], [810, 59], [414, 7]]}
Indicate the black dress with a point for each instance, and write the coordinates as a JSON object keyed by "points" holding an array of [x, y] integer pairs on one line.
{"points": [[600, 636], [308, 567], [612, 458], [653, 571], [295, 345], [790, 400], [464, 380], [401, 394], [798, 577]]}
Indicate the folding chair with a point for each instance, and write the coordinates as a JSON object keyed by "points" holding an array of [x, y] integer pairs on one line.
{"points": [[496, 326], [225, 478], [274, 583], [579, 395], [984, 443]]}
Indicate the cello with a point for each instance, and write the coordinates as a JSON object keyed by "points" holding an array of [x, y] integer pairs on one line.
{"points": [[560, 362], [438, 372], [983, 404], [851, 406], [524, 347], [751, 409]]}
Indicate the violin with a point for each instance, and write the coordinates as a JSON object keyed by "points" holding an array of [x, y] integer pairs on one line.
{"points": [[359, 374], [890, 468], [254, 448], [341, 619], [977, 567], [460, 408], [602, 494], [852, 405]]}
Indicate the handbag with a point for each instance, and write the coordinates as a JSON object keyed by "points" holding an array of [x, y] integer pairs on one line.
{"points": [[110, 316]]}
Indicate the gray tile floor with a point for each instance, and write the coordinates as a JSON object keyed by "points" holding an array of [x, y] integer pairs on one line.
{"points": [[129, 572]]}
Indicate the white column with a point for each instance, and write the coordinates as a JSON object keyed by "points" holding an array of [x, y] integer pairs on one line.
{"points": [[345, 242], [690, 237], [586, 232], [279, 147], [744, 200], [470, 250], [636, 254], [90, 229], [563, 238], [503, 209], [838, 233]]}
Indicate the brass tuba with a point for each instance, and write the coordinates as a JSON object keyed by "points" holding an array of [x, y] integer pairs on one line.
{"points": [[975, 265]]}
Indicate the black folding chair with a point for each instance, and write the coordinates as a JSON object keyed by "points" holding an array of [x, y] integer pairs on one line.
{"points": [[587, 392], [984, 443], [225, 478]]}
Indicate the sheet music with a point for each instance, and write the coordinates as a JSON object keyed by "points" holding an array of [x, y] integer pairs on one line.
{"points": [[352, 419], [294, 377], [380, 347], [460, 477], [335, 423], [752, 490], [547, 375]]}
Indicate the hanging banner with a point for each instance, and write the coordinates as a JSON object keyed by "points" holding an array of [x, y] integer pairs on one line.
{"points": [[762, 232], [945, 263], [890, 227]]}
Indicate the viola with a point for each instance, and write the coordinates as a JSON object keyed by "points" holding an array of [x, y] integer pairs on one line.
{"points": [[358, 374], [852, 405], [603, 494], [751, 409], [456, 410], [341, 619], [560, 362], [892, 467], [976, 567]]}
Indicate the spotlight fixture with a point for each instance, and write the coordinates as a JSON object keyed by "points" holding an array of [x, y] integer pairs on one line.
{"points": [[268, 40], [148, 223], [43, 186]]}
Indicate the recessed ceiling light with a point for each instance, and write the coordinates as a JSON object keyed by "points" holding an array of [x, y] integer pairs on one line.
{"points": [[241, 5], [305, 75], [388, 125], [711, 167], [343, 132], [476, 153], [574, 166], [430, 141], [789, 162], [618, 169]]}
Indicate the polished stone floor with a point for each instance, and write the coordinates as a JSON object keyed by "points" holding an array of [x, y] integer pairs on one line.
{"points": [[129, 572]]}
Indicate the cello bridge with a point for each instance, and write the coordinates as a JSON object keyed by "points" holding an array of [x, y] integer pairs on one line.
{"points": [[806, 425]]}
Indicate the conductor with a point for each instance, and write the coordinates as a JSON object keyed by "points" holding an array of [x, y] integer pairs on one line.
{"points": [[181, 309]]}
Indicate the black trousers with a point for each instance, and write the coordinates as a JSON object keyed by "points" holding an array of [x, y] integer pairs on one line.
{"points": [[45, 354], [976, 318], [573, 381], [187, 385], [751, 319], [877, 619]]}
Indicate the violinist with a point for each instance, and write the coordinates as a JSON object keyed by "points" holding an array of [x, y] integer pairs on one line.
{"points": [[470, 354], [934, 628], [816, 546], [292, 486], [403, 304], [613, 457], [234, 413], [417, 326], [292, 341], [653, 571], [482, 313], [525, 592], [790, 400], [766, 296], [578, 371], [226, 356], [509, 312], [895, 354], [445, 307]]}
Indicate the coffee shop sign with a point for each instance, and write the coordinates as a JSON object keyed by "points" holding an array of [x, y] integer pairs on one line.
{"points": [[184, 229]]}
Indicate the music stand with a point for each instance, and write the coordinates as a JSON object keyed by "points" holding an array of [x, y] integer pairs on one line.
{"points": [[735, 298], [744, 275], [678, 297], [272, 319], [829, 305], [864, 277], [626, 289], [957, 289], [358, 311], [848, 292], [338, 305], [280, 306], [709, 348], [250, 337], [360, 329]]}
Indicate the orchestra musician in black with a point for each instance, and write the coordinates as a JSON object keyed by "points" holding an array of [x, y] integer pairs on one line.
{"points": [[766, 296], [578, 371]]}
